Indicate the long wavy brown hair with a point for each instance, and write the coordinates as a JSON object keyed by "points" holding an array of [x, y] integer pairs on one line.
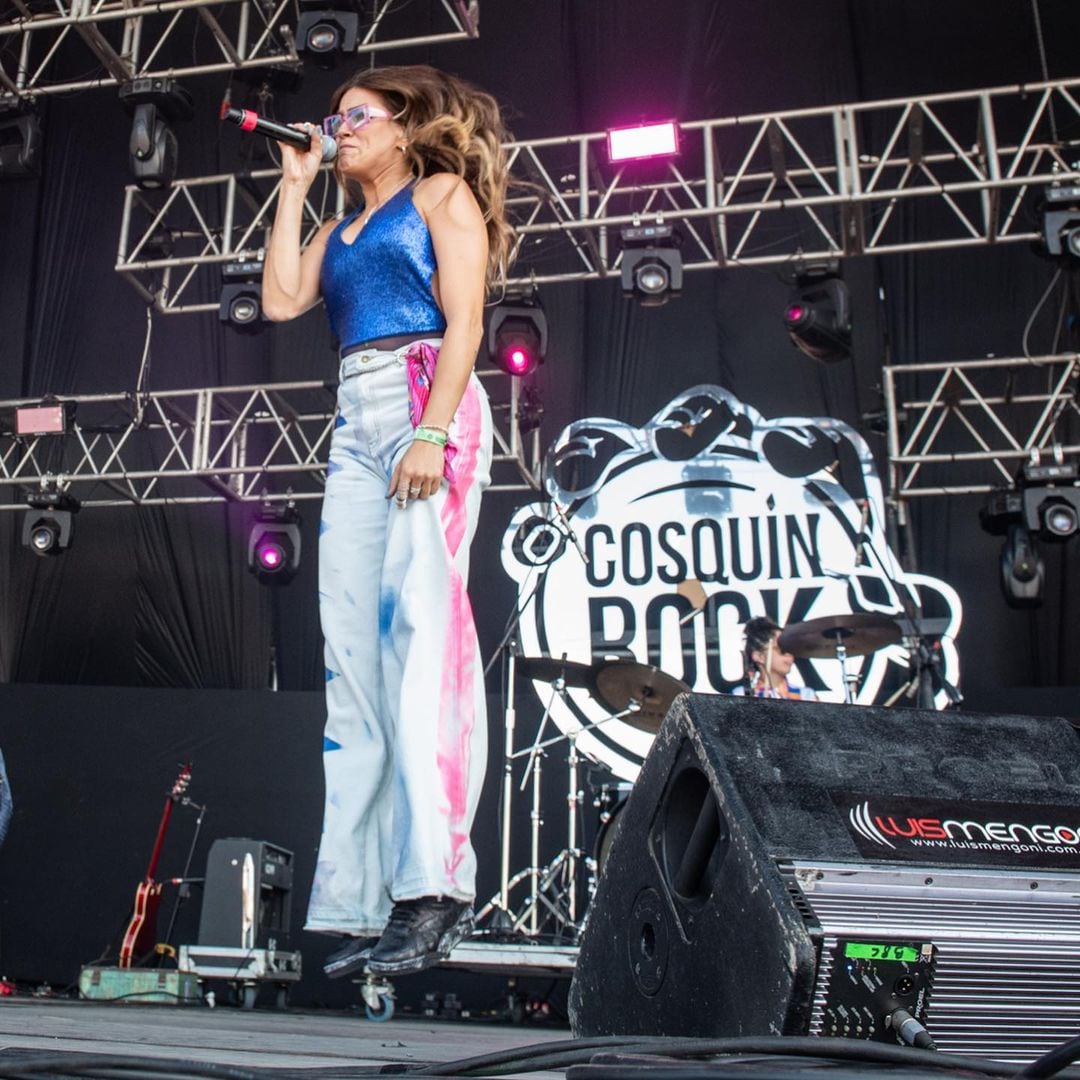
{"points": [[454, 127]]}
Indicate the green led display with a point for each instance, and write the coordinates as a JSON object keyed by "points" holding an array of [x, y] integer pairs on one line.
{"points": [[859, 950]]}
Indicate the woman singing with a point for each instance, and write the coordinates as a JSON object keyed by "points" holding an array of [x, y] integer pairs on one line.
{"points": [[403, 277]]}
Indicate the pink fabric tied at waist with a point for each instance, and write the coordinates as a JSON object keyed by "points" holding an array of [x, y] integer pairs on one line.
{"points": [[420, 360]]}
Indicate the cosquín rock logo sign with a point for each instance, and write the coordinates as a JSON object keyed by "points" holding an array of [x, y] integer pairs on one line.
{"points": [[707, 515]]}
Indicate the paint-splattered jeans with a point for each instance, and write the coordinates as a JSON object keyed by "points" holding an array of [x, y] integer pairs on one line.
{"points": [[406, 737]]}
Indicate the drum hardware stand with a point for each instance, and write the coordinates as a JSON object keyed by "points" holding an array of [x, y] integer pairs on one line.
{"points": [[564, 866], [849, 680], [635, 690], [552, 887], [573, 803], [501, 921], [534, 767], [925, 676]]}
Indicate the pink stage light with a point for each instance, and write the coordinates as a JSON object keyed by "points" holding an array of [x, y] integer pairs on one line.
{"points": [[273, 553], [271, 556], [518, 361], [643, 141], [40, 420], [517, 336]]}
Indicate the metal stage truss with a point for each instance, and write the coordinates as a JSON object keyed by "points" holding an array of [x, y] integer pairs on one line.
{"points": [[126, 39], [965, 427], [871, 178], [221, 444]]}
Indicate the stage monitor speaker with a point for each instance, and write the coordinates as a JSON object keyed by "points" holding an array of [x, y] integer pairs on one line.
{"points": [[246, 896], [796, 868]]}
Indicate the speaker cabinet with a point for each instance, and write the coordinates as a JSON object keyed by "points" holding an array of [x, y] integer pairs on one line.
{"points": [[799, 868], [246, 896]]}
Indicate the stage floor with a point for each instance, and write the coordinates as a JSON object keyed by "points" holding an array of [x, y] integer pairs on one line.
{"points": [[31, 1030]]}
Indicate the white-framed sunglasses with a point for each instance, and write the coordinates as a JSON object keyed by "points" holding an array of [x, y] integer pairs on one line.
{"points": [[353, 119]]}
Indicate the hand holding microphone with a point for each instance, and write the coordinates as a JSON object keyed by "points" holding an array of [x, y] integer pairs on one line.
{"points": [[282, 133]]}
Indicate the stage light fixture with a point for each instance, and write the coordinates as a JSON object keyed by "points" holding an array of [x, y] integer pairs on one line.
{"points": [[20, 144], [326, 32], [643, 141], [818, 314], [1051, 499], [1061, 221], [1058, 517], [47, 525], [241, 295], [50, 416], [154, 103], [652, 270], [274, 545], [1022, 570], [1044, 503], [241, 305], [517, 335]]}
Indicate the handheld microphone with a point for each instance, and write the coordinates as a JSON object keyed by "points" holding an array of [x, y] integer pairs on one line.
{"points": [[250, 121]]}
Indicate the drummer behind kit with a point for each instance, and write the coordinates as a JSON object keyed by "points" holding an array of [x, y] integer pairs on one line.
{"points": [[641, 695]]}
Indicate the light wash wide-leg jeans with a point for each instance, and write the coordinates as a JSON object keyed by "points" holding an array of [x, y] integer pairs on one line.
{"points": [[406, 735]]}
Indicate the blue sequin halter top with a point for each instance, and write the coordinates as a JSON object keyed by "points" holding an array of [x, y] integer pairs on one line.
{"points": [[380, 285]]}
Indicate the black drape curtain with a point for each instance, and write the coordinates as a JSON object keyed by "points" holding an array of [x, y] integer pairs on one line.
{"points": [[161, 596]]}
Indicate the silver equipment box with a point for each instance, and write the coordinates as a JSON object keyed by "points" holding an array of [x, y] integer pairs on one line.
{"points": [[1006, 974]]}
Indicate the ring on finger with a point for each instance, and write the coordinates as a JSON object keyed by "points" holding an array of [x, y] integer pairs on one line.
{"points": [[414, 491]]}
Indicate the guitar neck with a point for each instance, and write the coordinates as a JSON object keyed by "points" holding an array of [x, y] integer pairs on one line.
{"points": [[139, 937], [159, 841]]}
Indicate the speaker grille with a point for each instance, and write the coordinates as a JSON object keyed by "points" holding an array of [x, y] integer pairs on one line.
{"points": [[1007, 978]]}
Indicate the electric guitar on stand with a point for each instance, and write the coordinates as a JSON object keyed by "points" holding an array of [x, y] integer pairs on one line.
{"points": [[142, 930]]}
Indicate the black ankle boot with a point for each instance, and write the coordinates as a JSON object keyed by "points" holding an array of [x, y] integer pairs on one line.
{"points": [[419, 934], [350, 958]]}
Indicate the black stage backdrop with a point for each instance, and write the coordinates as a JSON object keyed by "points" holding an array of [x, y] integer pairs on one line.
{"points": [[90, 768], [160, 597]]}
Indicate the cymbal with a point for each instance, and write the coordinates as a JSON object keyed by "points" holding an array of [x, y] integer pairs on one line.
{"points": [[550, 668], [618, 682], [861, 633]]}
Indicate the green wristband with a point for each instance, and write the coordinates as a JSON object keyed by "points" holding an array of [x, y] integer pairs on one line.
{"points": [[429, 435]]}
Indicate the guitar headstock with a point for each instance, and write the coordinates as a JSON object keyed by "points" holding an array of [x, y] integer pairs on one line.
{"points": [[182, 780]]}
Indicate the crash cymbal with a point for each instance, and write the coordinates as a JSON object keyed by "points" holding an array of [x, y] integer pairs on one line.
{"points": [[860, 632], [550, 668], [618, 682]]}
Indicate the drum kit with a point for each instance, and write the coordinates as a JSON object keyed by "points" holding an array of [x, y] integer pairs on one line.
{"points": [[840, 637], [639, 695]]}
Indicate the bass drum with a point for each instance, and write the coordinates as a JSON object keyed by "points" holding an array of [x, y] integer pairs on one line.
{"points": [[612, 801]]}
